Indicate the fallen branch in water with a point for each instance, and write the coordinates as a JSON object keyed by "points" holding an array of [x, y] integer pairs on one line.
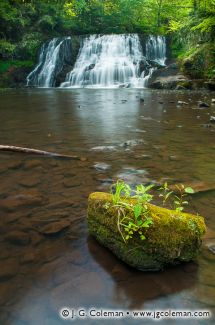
{"points": [[38, 152]]}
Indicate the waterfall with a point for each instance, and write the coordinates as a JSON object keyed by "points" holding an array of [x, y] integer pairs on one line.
{"points": [[106, 61], [115, 61], [53, 56], [156, 49], [103, 61]]}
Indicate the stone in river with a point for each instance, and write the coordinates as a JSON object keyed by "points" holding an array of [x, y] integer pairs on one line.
{"points": [[17, 237], [212, 119], [102, 166], [55, 227], [172, 237], [12, 202], [203, 104], [198, 186], [132, 143], [30, 181], [32, 164], [104, 148], [212, 248], [180, 102]]}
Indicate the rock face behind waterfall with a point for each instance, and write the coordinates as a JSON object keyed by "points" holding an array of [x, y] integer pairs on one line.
{"points": [[103, 61]]}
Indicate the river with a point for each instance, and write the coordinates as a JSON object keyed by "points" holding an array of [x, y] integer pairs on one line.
{"points": [[43, 270]]}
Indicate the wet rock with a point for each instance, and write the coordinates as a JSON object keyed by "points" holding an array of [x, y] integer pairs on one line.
{"points": [[55, 228], [168, 82], [203, 104], [12, 202], [91, 66], [132, 143], [206, 125], [180, 87], [180, 102], [213, 100], [212, 248], [10, 164], [173, 158], [71, 182], [198, 186], [18, 238], [60, 204], [207, 254], [9, 269], [212, 119], [32, 164], [126, 85], [138, 131], [30, 181], [102, 166], [159, 248], [133, 176], [145, 157], [104, 148], [28, 258], [35, 238]]}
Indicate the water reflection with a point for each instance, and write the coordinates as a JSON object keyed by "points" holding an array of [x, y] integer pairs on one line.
{"points": [[133, 288], [40, 272]]}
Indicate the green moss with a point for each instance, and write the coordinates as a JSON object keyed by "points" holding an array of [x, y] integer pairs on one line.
{"points": [[173, 236], [199, 62]]}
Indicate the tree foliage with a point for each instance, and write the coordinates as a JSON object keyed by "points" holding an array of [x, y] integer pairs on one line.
{"points": [[26, 24]]}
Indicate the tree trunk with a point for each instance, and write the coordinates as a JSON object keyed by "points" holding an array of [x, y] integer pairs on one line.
{"points": [[38, 152]]}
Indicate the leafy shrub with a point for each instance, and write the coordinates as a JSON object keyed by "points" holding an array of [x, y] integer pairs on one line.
{"points": [[6, 49]]}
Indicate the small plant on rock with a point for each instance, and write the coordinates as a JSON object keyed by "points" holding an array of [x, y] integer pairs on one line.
{"points": [[178, 200], [137, 216]]}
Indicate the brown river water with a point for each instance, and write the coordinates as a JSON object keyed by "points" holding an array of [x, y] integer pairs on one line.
{"points": [[47, 259]]}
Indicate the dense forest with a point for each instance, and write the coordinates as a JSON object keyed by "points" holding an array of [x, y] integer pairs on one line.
{"points": [[189, 24]]}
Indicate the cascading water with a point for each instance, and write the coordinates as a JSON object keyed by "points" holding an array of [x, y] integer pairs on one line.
{"points": [[53, 56], [103, 61], [106, 61], [156, 49], [115, 61]]}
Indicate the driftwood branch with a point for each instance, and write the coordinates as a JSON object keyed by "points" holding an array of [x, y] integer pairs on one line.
{"points": [[38, 152]]}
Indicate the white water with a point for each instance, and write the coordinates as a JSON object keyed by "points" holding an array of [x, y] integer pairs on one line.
{"points": [[114, 61], [50, 62], [104, 61], [156, 49]]}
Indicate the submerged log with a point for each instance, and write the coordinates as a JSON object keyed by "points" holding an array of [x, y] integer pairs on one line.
{"points": [[173, 237], [38, 152]]}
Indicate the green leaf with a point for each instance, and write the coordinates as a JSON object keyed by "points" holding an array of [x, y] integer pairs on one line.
{"points": [[137, 210], [189, 190]]}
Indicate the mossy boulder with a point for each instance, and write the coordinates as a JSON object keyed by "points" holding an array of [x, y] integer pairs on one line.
{"points": [[172, 238]]}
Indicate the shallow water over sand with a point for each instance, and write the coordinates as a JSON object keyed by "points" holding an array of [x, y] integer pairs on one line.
{"points": [[47, 259]]}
